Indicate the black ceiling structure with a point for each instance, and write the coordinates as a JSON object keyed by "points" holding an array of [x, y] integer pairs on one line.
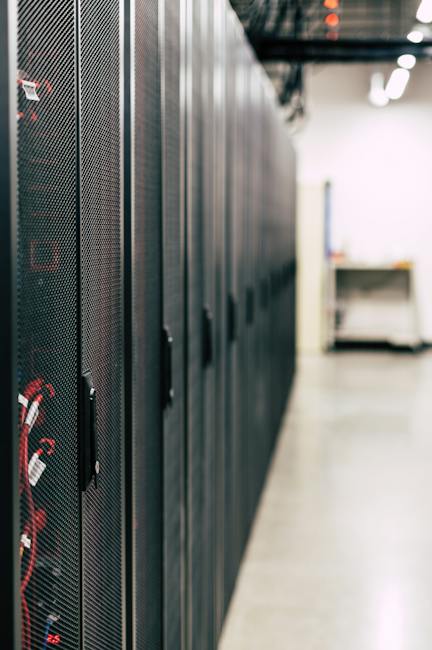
{"points": [[286, 34], [344, 50], [305, 19]]}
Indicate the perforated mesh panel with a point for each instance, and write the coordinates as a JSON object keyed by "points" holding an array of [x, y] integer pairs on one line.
{"points": [[47, 316], [207, 40], [219, 173], [102, 332], [173, 315], [195, 271], [230, 204], [186, 546], [146, 329], [237, 193]]}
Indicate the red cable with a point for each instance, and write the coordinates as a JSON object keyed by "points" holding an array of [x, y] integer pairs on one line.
{"points": [[31, 390], [31, 526], [26, 624], [33, 547]]}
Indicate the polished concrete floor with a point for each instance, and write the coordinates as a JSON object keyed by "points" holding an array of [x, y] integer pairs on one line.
{"points": [[341, 553]]}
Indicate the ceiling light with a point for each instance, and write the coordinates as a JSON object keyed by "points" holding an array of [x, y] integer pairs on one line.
{"points": [[377, 94], [332, 20], [407, 61], [397, 83], [424, 12], [416, 36]]}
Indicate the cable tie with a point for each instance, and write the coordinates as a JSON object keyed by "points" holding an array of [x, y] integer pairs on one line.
{"points": [[23, 400], [32, 415]]}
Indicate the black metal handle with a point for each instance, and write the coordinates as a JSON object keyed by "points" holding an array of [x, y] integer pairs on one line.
{"points": [[250, 306], [207, 340], [167, 370], [90, 466], [232, 319]]}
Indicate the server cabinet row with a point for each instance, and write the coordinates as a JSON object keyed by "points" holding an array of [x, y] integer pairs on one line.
{"points": [[148, 189]]}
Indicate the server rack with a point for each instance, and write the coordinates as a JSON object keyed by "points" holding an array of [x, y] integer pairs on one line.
{"points": [[238, 191], [258, 457], [255, 177], [155, 266], [69, 324], [199, 339], [207, 41], [219, 174], [48, 357], [100, 157], [244, 315], [144, 326], [231, 306], [172, 53]]}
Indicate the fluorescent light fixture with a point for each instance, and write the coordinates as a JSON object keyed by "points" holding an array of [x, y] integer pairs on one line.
{"points": [[416, 36], [407, 61], [424, 12], [397, 83], [377, 94]]}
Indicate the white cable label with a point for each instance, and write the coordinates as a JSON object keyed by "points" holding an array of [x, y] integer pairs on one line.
{"points": [[29, 88], [22, 400], [32, 414], [35, 469], [25, 540]]}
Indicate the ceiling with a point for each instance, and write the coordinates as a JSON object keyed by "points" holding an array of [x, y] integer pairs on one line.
{"points": [[305, 19], [286, 34]]}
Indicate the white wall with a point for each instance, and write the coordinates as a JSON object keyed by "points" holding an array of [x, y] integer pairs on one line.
{"points": [[380, 164]]}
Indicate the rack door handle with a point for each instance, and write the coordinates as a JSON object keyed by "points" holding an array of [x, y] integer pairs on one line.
{"points": [[232, 318], [167, 389], [207, 340], [90, 465], [250, 306]]}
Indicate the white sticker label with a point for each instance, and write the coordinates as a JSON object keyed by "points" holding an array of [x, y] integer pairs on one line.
{"points": [[35, 469], [22, 400], [25, 540], [29, 88]]}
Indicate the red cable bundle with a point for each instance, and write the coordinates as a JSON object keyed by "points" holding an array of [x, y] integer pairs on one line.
{"points": [[33, 397]]}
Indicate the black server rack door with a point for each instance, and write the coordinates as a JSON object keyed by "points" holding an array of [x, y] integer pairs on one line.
{"points": [[239, 283], [172, 61], [266, 202], [145, 330], [219, 81], [207, 71], [231, 302], [100, 164], [199, 332], [247, 440], [257, 428], [251, 431], [9, 499], [47, 328], [292, 263]]}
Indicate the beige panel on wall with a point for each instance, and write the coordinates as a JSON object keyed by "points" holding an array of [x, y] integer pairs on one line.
{"points": [[311, 268]]}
